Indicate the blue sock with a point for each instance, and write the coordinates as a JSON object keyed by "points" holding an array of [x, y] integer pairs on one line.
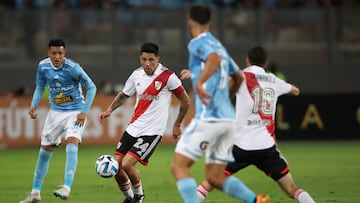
{"points": [[41, 169], [187, 189], [71, 164], [235, 188]]}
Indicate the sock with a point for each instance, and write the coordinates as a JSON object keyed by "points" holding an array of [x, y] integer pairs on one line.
{"points": [[202, 192], [303, 197], [71, 164], [126, 190], [137, 187], [235, 188], [41, 169], [187, 189]]}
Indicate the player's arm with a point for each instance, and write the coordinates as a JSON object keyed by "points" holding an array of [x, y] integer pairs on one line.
{"points": [[184, 98], [118, 101], [294, 90], [211, 65], [90, 87], [235, 82], [185, 74], [39, 91]]}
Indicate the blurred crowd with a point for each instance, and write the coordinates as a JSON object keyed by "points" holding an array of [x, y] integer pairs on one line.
{"points": [[90, 20], [100, 4]]}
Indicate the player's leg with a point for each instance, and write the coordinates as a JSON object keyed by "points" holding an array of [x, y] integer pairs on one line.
{"points": [[140, 151], [50, 137], [288, 186], [70, 168], [242, 160], [203, 190], [217, 156], [122, 179], [228, 184], [123, 182], [186, 153], [273, 163], [186, 184], [41, 169], [72, 140]]}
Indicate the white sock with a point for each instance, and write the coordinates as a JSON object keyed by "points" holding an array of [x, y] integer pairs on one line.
{"points": [[303, 197], [138, 188], [202, 192], [126, 190]]}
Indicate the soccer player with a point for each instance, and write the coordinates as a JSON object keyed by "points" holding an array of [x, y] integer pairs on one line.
{"points": [[65, 80], [154, 85], [255, 127], [211, 132]]}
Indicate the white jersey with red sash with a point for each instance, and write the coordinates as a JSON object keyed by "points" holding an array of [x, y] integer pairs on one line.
{"points": [[153, 99], [255, 108]]}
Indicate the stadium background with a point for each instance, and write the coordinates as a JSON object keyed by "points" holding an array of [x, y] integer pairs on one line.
{"points": [[315, 44]]}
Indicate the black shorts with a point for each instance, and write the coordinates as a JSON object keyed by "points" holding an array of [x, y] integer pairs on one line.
{"points": [[270, 161], [141, 148]]}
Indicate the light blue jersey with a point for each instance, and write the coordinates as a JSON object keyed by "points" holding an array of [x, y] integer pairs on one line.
{"points": [[65, 85], [217, 85]]}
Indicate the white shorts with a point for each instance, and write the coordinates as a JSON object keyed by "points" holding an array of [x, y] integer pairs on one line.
{"points": [[212, 138], [58, 123]]}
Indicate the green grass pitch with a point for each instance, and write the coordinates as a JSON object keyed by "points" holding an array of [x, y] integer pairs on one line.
{"points": [[329, 171]]}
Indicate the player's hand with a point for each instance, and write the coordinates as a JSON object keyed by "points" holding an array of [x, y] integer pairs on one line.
{"points": [[203, 95], [185, 74], [177, 131], [32, 113], [80, 119], [104, 115]]}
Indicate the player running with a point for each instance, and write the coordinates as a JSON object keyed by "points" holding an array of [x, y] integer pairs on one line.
{"points": [[211, 132], [255, 127]]}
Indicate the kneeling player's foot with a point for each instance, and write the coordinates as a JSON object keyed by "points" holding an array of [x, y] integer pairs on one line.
{"points": [[33, 197], [63, 192], [263, 199], [138, 198]]}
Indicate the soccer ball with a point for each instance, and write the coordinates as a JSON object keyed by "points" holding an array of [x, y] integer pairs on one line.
{"points": [[106, 166]]}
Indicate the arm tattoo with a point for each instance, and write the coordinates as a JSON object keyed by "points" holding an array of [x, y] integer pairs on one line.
{"points": [[118, 101]]}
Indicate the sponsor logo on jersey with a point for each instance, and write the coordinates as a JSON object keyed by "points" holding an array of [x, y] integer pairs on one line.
{"points": [[147, 96], [61, 99]]}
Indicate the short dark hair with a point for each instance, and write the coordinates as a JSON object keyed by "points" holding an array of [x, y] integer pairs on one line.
{"points": [[149, 47], [257, 56], [56, 43], [200, 14]]}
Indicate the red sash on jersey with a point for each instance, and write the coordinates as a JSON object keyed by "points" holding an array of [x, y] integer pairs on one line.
{"points": [[251, 82], [150, 93]]}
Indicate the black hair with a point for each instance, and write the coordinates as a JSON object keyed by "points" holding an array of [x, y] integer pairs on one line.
{"points": [[257, 56], [149, 47], [56, 43], [200, 14]]}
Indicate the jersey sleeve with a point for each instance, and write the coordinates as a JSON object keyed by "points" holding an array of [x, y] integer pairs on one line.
{"points": [[89, 85], [129, 87], [39, 89], [200, 49], [282, 86], [173, 82], [233, 67]]}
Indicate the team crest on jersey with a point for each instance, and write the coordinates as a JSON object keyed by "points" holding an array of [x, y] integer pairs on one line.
{"points": [[57, 83], [158, 85]]}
